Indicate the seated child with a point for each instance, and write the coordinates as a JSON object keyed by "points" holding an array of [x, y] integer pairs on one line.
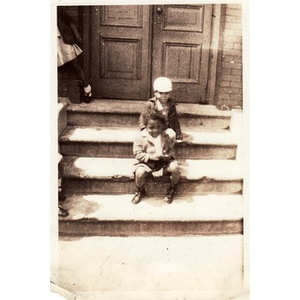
{"points": [[162, 102], [154, 150]]}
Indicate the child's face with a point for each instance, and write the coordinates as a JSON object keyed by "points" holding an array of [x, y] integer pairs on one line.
{"points": [[163, 97], [154, 127]]}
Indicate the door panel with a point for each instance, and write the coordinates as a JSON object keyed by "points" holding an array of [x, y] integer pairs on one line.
{"points": [[181, 44], [120, 51]]}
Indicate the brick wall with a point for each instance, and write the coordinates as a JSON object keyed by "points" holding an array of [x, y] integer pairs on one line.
{"points": [[229, 86]]}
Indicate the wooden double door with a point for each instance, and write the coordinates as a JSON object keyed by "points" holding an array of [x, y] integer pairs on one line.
{"points": [[132, 45]]}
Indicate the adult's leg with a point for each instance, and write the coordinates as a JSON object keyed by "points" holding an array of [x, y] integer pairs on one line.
{"points": [[78, 69], [86, 86]]}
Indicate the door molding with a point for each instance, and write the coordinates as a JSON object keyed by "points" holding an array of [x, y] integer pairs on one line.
{"points": [[213, 57], [86, 39]]}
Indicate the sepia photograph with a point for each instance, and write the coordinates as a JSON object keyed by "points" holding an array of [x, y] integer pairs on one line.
{"points": [[150, 188], [149, 150]]}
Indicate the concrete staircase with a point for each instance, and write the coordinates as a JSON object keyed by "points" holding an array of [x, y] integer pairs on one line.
{"points": [[96, 143]]}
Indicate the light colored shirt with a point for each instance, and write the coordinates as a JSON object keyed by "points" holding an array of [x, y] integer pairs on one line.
{"points": [[163, 110], [157, 143]]}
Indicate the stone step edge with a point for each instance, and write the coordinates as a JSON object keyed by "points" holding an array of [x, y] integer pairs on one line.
{"points": [[209, 137], [147, 229], [121, 169], [135, 107], [202, 208]]}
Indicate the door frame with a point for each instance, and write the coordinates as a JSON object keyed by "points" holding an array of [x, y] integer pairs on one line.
{"points": [[213, 55]]}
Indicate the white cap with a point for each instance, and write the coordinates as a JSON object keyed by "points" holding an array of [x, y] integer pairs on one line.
{"points": [[162, 84]]}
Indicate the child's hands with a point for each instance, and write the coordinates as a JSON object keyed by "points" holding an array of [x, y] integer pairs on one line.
{"points": [[155, 157], [166, 157]]}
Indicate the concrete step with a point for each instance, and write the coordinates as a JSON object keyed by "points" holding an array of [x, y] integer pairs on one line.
{"points": [[196, 267], [114, 176], [119, 113], [115, 215], [150, 295], [117, 142], [61, 115]]}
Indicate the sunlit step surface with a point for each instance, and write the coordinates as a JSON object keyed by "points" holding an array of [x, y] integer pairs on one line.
{"points": [[103, 112], [118, 142], [115, 176], [183, 208]]}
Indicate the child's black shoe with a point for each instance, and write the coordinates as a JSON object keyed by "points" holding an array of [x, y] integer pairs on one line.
{"points": [[61, 196], [140, 193], [62, 212], [170, 194]]}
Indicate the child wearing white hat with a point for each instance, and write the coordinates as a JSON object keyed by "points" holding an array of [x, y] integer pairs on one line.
{"points": [[162, 102]]}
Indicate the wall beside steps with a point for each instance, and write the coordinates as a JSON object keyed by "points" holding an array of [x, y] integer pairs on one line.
{"points": [[229, 85]]}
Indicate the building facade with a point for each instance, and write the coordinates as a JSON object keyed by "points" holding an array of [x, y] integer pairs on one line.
{"points": [[200, 47]]}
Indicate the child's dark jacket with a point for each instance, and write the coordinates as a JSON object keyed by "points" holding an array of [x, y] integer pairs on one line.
{"points": [[171, 118]]}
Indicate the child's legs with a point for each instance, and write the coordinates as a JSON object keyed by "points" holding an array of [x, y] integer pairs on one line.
{"points": [[171, 133], [173, 169], [140, 176]]}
